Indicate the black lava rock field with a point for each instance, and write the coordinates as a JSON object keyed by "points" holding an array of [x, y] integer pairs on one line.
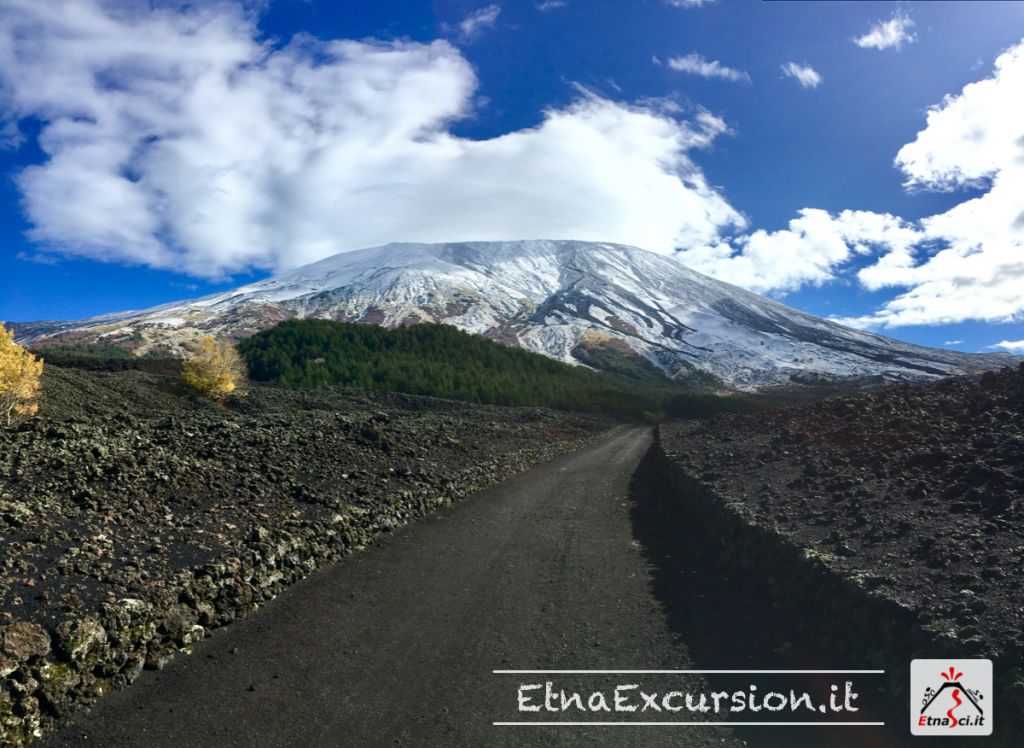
{"points": [[135, 517], [899, 515]]}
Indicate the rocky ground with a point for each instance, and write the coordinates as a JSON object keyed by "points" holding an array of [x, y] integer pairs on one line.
{"points": [[135, 517], [914, 495]]}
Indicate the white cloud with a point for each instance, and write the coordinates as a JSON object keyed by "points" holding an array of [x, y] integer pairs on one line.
{"points": [[697, 65], [805, 75], [478, 20], [547, 5], [177, 140], [953, 342], [1013, 346], [968, 262], [964, 264], [689, 3], [809, 251], [971, 137], [889, 34]]}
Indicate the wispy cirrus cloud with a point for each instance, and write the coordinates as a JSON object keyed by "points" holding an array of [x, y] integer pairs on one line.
{"points": [[889, 34], [696, 64], [689, 3], [805, 75], [478, 20], [548, 5]]}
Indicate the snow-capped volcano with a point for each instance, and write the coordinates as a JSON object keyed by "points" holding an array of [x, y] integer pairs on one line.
{"points": [[605, 305]]}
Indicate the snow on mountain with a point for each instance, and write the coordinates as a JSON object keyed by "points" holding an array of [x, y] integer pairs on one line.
{"points": [[579, 302]]}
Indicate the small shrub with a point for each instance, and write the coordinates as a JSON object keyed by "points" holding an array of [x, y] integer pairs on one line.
{"points": [[654, 417], [215, 370], [20, 379]]}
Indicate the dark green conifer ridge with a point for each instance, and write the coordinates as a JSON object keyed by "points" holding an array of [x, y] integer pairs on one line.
{"points": [[442, 361]]}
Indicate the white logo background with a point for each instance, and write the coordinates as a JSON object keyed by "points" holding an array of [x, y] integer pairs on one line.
{"points": [[932, 683]]}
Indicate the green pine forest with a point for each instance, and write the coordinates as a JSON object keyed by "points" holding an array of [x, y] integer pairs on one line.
{"points": [[441, 361]]}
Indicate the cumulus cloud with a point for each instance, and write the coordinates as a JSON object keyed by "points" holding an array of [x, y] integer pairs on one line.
{"points": [[964, 264], [177, 140], [968, 263], [696, 65], [478, 20], [972, 137], [1013, 346], [805, 75], [809, 250], [890, 34]]}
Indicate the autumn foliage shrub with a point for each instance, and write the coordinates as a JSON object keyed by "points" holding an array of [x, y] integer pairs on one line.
{"points": [[214, 370], [20, 380]]}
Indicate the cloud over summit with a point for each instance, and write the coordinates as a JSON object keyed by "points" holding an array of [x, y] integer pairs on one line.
{"points": [[180, 139], [177, 140]]}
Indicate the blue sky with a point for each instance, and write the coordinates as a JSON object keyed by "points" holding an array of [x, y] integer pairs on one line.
{"points": [[669, 125]]}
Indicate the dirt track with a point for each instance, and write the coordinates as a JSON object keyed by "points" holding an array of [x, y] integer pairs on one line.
{"points": [[397, 645], [135, 518]]}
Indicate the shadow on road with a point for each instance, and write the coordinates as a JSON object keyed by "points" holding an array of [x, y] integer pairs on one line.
{"points": [[734, 623]]}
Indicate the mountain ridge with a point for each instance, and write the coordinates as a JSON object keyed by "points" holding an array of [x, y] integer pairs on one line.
{"points": [[565, 299]]}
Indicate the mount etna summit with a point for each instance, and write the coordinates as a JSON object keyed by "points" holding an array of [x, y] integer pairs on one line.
{"points": [[609, 306]]}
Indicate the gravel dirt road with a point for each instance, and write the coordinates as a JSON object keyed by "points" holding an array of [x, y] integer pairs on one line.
{"points": [[396, 646]]}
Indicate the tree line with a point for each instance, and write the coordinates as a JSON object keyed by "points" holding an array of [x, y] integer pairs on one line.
{"points": [[442, 361], [425, 359]]}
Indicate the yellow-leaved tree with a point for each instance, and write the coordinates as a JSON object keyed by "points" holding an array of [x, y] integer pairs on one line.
{"points": [[215, 369], [20, 379]]}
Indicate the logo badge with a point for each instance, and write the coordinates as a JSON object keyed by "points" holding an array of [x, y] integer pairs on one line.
{"points": [[951, 697]]}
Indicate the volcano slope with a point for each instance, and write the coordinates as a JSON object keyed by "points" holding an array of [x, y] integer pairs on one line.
{"points": [[895, 516], [135, 517]]}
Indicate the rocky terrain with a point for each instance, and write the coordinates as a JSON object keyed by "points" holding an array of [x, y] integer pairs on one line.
{"points": [[135, 518], [898, 515]]}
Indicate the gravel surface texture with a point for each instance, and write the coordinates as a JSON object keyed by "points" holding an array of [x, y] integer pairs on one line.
{"points": [[135, 517], [912, 496]]}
